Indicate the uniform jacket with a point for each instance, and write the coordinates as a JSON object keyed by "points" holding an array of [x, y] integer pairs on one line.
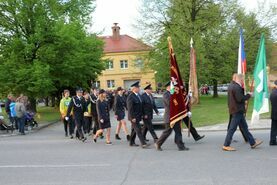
{"points": [[166, 102], [236, 98], [134, 106], [93, 100], [78, 106], [273, 99], [148, 105], [119, 104], [103, 111]]}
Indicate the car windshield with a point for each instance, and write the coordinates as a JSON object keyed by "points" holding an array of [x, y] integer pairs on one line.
{"points": [[159, 102]]}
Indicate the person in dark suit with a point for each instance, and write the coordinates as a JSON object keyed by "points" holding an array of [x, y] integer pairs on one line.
{"points": [[236, 104], [273, 130], [79, 107], [148, 105], [187, 120], [119, 108], [93, 98], [177, 127], [103, 112], [134, 106]]}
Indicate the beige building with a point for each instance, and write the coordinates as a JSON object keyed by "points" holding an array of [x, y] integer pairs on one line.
{"points": [[125, 62]]}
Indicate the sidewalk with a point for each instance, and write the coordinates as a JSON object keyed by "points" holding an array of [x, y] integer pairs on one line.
{"points": [[263, 124], [4, 133]]}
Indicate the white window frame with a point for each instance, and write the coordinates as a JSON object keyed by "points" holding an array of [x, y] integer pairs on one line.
{"points": [[110, 83], [110, 65], [125, 64]]}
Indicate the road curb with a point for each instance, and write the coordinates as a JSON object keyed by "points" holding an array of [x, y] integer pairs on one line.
{"points": [[36, 129]]}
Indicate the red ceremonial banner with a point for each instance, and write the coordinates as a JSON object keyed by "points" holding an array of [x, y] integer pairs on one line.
{"points": [[178, 108]]}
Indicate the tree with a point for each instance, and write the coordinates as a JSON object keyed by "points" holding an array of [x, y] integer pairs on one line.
{"points": [[214, 27], [44, 47]]}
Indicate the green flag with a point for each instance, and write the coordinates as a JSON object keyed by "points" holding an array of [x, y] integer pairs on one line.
{"points": [[261, 104]]}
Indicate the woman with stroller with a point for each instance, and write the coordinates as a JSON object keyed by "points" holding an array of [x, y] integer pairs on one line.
{"points": [[103, 112], [20, 110]]}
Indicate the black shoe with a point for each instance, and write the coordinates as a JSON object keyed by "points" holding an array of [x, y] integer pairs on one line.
{"points": [[146, 140], [128, 137], [108, 143], [117, 137], [71, 136], [101, 137], [145, 145], [134, 144], [158, 147], [183, 149], [272, 143], [199, 137], [84, 139], [94, 140]]}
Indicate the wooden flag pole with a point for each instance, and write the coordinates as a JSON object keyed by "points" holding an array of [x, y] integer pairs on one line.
{"points": [[251, 90]]}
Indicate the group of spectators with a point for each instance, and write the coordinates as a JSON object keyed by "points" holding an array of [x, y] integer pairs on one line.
{"points": [[16, 109]]}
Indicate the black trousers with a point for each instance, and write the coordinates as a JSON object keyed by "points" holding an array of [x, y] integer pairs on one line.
{"points": [[148, 126], [136, 130], [193, 131], [87, 124], [79, 122], [95, 124], [69, 125], [244, 135], [273, 131], [166, 133]]}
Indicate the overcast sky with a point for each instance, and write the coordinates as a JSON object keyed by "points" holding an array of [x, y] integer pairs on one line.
{"points": [[125, 12]]}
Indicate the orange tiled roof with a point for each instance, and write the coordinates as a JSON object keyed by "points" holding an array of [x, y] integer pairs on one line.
{"points": [[125, 43]]}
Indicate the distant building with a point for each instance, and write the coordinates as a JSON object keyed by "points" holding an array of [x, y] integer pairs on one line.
{"points": [[125, 62]]}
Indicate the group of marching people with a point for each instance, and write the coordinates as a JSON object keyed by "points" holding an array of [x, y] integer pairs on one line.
{"points": [[80, 111]]}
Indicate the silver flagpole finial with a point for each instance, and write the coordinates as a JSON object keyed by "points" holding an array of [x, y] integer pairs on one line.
{"points": [[191, 43]]}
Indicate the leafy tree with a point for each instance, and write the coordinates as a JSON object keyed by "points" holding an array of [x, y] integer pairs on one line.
{"points": [[44, 46]]}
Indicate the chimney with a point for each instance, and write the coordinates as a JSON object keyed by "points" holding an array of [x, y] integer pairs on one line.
{"points": [[116, 34]]}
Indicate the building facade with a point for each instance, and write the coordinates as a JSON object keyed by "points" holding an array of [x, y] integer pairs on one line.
{"points": [[126, 62]]}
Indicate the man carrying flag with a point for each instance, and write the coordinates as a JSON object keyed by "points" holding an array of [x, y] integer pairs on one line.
{"points": [[261, 103], [174, 103]]}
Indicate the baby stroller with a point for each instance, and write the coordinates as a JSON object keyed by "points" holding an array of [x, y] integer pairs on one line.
{"points": [[30, 121], [4, 126]]}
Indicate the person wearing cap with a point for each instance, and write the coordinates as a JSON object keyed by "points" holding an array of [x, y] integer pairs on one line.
{"points": [[273, 130], [103, 112], [134, 106], [64, 103], [236, 105], [78, 105], [177, 126], [148, 105], [119, 108]]}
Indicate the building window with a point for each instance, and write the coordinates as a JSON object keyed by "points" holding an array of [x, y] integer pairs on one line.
{"points": [[109, 64], [139, 63], [123, 64], [110, 84], [97, 84]]}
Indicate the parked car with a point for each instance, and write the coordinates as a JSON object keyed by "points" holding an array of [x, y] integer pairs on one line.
{"points": [[158, 119], [222, 88]]}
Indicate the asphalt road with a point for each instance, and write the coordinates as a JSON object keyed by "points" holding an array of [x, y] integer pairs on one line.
{"points": [[48, 158]]}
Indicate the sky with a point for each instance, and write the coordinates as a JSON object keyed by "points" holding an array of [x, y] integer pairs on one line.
{"points": [[125, 13]]}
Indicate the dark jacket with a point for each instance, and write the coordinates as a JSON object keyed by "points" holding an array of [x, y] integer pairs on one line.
{"points": [[78, 106], [119, 104], [103, 110], [236, 98], [166, 102], [148, 105], [134, 106], [7, 106], [93, 100], [273, 99]]}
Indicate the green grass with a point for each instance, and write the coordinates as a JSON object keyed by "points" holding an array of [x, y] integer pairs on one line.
{"points": [[47, 114], [212, 111]]}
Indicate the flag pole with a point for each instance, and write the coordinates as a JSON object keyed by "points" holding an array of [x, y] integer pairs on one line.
{"points": [[251, 91], [188, 94]]}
